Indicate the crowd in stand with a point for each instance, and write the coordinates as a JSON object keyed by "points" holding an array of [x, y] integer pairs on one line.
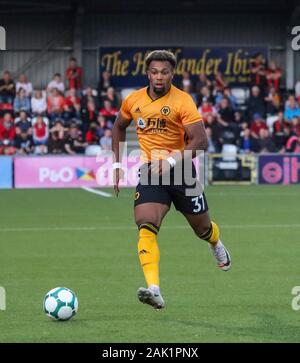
{"points": [[66, 118]]}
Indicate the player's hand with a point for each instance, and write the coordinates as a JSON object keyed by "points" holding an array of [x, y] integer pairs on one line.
{"points": [[118, 174]]}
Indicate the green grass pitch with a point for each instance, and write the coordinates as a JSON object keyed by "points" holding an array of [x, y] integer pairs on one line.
{"points": [[85, 242]]}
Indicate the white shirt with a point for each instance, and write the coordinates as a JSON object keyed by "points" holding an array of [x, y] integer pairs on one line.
{"points": [[297, 89], [38, 105], [54, 84], [26, 86]]}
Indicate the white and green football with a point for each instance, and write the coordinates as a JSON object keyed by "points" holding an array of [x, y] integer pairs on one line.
{"points": [[60, 303]]}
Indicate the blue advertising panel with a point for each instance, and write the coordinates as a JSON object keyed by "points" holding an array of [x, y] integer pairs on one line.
{"points": [[6, 170], [279, 169], [128, 69]]}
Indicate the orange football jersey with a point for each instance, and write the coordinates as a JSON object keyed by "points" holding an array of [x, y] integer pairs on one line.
{"points": [[160, 123]]}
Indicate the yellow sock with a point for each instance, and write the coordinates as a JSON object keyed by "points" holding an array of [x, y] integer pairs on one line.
{"points": [[212, 235], [149, 253]]}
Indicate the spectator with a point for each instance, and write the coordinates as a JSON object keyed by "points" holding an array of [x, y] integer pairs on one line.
{"points": [[74, 75], [205, 93], [109, 113], [23, 124], [25, 84], [207, 108], [21, 102], [220, 83], [92, 137], [258, 71], [7, 135], [55, 104], [72, 105], [257, 124], [256, 103], [292, 109], [265, 142], [56, 83], [7, 88], [186, 82], [38, 103], [232, 99], [24, 143], [273, 75], [74, 143], [295, 126], [57, 138], [106, 140], [105, 82], [225, 115], [203, 81], [112, 97], [40, 134], [279, 134], [246, 142], [272, 102]]}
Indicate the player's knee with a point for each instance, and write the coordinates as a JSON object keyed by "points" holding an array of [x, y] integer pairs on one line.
{"points": [[202, 229]]}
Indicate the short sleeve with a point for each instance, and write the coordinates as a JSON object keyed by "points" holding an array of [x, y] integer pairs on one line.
{"points": [[125, 109], [188, 112]]}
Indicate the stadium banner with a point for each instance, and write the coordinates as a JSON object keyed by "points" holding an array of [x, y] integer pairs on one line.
{"points": [[72, 171], [6, 172], [128, 69], [279, 169]]}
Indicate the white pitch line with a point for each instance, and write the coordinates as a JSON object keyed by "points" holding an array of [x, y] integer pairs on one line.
{"points": [[91, 190], [113, 227]]}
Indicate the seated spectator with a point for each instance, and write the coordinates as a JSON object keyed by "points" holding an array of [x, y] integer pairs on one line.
{"points": [[112, 97], [72, 105], [246, 143], [106, 140], [279, 135], [295, 126], [293, 144], [104, 83], [102, 125], [21, 102], [203, 81], [38, 103], [232, 99], [206, 108], [74, 143], [74, 75], [273, 75], [7, 135], [92, 136], [205, 93], [257, 124], [25, 84], [24, 144], [7, 88], [256, 103], [186, 83], [56, 83], [291, 109], [272, 102], [57, 138], [23, 124], [225, 114], [265, 142], [109, 113], [216, 130], [40, 134], [55, 104]]}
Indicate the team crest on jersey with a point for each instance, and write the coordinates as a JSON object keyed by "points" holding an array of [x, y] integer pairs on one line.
{"points": [[141, 123], [165, 110]]}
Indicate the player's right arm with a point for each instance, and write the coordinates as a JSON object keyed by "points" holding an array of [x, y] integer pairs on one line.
{"points": [[118, 138]]}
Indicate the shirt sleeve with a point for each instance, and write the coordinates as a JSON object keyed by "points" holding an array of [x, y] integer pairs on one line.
{"points": [[125, 109], [189, 113]]}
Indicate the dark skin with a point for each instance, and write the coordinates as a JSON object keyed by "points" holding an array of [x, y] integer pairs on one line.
{"points": [[160, 75]]}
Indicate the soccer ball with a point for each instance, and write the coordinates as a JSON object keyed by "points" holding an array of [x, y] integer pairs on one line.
{"points": [[60, 303]]}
